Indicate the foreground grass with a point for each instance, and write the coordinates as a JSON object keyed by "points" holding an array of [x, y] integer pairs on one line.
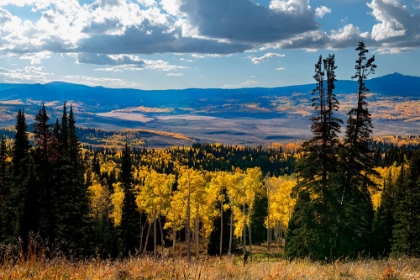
{"points": [[212, 268]]}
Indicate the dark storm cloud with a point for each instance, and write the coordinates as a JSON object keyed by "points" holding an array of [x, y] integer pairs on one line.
{"points": [[154, 40], [243, 21]]}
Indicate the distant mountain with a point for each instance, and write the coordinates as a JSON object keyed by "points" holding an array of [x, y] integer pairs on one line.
{"points": [[244, 115], [392, 84]]}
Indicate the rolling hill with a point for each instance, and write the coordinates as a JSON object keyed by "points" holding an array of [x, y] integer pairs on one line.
{"points": [[236, 116]]}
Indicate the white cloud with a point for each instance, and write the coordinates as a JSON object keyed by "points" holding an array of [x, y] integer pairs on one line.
{"points": [[99, 81], [265, 57], [141, 65], [281, 69], [174, 74], [36, 58], [248, 83], [390, 24], [186, 60], [320, 12], [199, 27], [30, 74], [297, 7]]}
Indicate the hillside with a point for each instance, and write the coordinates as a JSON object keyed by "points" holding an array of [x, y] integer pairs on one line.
{"points": [[236, 116]]}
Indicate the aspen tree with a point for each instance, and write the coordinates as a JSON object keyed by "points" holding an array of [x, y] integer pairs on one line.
{"points": [[191, 184]]}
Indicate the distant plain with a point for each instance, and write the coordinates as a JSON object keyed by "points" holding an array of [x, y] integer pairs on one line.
{"points": [[250, 116]]}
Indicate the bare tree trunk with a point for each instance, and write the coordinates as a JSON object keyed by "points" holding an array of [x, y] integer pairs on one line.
{"points": [[230, 232], [244, 234], [162, 240], [154, 233], [221, 230], [141, 235], [147, 237], [250, 240], [174, 240], [188, 230], [197, 235], [268, 223]]}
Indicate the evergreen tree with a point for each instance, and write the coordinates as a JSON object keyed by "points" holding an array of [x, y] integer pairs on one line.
{"points": [[43, 136], [22, 193], [357, 163], [27, 206], [406, 230], [130, 220], [305, 235], [317, 170], [64, 133], [72, 225], [21, 145], [4, 190], [384, 221]]}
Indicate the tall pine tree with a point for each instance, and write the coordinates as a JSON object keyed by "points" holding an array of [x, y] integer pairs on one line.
{"points": [[130, 218], [313, 217], [406, 229], [357, 163]]}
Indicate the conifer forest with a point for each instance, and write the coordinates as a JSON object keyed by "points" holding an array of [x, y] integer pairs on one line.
{"points": [[339, 195]]}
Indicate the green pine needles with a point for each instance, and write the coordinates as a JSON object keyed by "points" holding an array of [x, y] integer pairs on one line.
{"points": [[334, 213]]}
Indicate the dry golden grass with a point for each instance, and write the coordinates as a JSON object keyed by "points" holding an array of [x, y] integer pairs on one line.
{"points": [[212, 268]]}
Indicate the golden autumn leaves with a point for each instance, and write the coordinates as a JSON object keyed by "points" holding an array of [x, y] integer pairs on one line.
{"points": [[191, 199]]}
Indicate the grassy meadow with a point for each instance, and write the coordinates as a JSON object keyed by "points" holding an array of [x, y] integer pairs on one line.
{"points": [[261, 267]]}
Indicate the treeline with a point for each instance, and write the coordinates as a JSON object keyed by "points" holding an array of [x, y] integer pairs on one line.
{"points": [[42, 189]]}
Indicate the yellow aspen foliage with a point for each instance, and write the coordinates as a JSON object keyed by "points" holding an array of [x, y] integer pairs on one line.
{"points": [[154, 196], [384, 173], [108, 166], [99, 198], [281, 203], [244, 194], [175, 214], [117, 199]]}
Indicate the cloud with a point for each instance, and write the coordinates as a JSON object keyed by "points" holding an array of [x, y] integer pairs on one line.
{"points": [[320, 12], [99, 81], [174, 74], [36, 58], [248, 83], [265, 57], [30, 74], [281, 69], [145, 64], [243, 21], [397, 27], [107, 28], [186, 60], [103, 59]]}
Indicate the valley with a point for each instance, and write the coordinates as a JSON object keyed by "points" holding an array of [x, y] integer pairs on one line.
{"points": [[247, 116]]}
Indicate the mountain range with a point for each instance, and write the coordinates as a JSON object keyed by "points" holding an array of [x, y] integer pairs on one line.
{"points": [[235, 116]]}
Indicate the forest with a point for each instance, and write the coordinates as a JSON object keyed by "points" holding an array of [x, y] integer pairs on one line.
{"points": [[329, 198]]}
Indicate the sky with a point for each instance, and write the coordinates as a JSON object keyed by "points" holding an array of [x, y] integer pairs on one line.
{"points": [[176, 44]]}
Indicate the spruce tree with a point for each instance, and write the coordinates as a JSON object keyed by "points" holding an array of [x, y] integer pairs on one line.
{"points": [[73, 204], [130, 219], [63, 133], [21, 145], [406, 230], [357, 163], [384, 220], [5, 214], [22, 193], [46, 155], [317, 170]]}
